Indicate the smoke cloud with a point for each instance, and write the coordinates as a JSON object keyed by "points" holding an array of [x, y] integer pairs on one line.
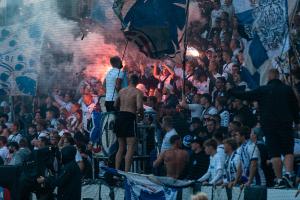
{"points": [[79, 38]]}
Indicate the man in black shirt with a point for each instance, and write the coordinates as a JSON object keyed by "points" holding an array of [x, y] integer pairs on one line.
{"points": [[199, 161], [279, 111]]}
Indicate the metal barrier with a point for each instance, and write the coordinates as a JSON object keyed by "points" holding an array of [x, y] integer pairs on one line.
{"points": [[103, 191]]}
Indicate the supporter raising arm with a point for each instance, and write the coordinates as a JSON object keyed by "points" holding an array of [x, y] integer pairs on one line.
{"points": [[65, 102]]}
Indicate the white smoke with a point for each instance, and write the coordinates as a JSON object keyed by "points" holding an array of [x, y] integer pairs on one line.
{"points": [[72, 46]]}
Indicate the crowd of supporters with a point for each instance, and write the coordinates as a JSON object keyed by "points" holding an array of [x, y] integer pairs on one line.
{"points": [[221, 140]]}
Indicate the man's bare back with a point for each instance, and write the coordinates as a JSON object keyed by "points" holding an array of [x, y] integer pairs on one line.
{"points": [[175, 161], [131, 100]]}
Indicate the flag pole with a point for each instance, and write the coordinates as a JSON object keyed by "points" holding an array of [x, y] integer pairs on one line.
{"points": [[185, 43]]}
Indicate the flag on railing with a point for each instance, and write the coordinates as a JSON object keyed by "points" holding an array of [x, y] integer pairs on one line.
{"points": [[155, 26], [148, 187], [264, 24]]}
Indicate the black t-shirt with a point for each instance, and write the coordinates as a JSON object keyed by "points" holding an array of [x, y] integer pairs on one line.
{"points": [[171, 101], [198, 165]]}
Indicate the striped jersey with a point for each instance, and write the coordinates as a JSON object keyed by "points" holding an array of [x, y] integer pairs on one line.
{"points": [[248, 152]]}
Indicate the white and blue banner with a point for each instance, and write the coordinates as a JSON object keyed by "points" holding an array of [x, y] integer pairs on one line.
{"points": [[148, 187], [140, 187], [264, 25], [20, 48]]}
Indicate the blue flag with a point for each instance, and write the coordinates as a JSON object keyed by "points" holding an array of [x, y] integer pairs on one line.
{"points": [[265, 27], [155, 26]]}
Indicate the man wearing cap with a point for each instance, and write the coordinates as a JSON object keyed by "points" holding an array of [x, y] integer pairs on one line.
{"points": [[199, 161]]}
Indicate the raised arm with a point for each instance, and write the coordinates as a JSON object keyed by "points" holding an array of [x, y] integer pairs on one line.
{"points": [[171, 71], [58, 100], [249, 95]]}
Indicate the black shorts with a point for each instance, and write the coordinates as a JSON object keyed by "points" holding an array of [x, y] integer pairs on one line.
{"points": [[125, 125], [110, 106], [279, 140]]}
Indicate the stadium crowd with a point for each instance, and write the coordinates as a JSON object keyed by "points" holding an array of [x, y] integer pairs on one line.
{"points": [[218, 128]]}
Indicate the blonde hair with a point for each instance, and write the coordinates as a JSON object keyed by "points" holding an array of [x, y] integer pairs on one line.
{"points": [[199, 196]]}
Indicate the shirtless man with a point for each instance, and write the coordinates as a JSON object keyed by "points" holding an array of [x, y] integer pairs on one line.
{"points": [[130, 101], [175, 159]]}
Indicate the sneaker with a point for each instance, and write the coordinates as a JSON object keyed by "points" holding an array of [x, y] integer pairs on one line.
{"points": [[288, 181], [280, 184]]}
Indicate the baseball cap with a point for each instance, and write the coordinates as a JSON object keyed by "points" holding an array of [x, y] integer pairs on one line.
{"points": [[187, 140], [198, 140]]}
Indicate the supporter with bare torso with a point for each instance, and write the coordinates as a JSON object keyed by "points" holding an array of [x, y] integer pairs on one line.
{"points": [[175, 159], [130, 102]]}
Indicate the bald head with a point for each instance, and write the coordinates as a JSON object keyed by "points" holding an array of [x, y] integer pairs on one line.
{"points": [[273, 74]]}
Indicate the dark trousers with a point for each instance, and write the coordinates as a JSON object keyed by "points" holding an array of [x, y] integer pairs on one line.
{"points": [[110, 106]]}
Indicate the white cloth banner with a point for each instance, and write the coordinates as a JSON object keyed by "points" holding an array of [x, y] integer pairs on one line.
{"points": [[20, 47]]}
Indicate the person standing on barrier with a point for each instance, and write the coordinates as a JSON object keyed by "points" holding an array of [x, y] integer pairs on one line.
{"points": [[175, 159], [215, 170], [130, 101], [279, 110], [113, 83]]}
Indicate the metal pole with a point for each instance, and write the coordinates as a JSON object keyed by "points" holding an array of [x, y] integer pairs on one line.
{"points": [[12, 110], [185, 47]]}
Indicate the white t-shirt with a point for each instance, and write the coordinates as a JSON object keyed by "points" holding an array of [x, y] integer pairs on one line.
{"points": [[202, 87], [220, 150], [4, 152], [216, 164], [78, 157], [111, 77], [196, 110], [15, 138], [166, 144], [63, 104], [227, 68]]}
